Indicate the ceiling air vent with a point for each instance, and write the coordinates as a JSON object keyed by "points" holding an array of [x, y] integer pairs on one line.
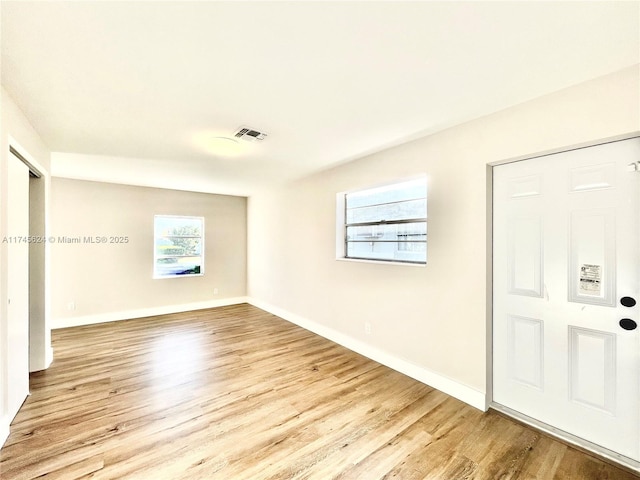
{"points": [[249, 134]]}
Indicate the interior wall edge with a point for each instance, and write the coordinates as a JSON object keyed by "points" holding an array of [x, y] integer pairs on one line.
{"points": [[44, 362], [4, 430], [143, 312], [464, 393]]}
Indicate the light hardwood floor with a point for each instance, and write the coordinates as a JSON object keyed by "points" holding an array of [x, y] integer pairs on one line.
{"points": [[236, 393]]}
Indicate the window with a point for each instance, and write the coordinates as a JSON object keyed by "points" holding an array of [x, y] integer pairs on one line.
{"points": [[386, 223], [179, 246]]}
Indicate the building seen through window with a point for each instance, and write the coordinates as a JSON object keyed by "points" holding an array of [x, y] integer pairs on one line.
{"points": [[387, 223]]}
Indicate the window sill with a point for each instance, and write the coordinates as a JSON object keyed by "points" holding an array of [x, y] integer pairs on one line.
{"points": [[180, 276], [381, 262]]}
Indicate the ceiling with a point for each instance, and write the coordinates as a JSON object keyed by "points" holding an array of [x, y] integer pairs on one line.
{"points": [[133, 92]]}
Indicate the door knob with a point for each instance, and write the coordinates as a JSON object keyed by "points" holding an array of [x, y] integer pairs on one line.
{"points": [[628, 324], [628, 301]]}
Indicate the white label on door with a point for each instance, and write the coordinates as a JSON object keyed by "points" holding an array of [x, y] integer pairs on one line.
{"points": [[590, 279]]}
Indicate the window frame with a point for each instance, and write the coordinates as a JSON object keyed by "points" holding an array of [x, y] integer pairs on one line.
{"points": [[342, 226], [156, 236]]}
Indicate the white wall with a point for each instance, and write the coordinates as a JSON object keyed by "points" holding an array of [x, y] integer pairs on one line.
{"points": [[113, 281], [429, 322], [16, 131]]}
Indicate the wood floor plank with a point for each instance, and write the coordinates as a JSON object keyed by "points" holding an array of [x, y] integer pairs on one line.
{"points": [[235, 393]]}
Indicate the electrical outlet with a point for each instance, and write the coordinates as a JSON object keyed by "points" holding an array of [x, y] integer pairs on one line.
{"points": [[367, 328], [71, 306], [215, 291]]}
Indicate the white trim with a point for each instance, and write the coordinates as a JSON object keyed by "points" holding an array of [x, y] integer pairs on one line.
{"points": [[48, 357], [25, 153], [567, 148], [447, 385], [380, 262], [187, 275], [569, 438], [143, 312]]}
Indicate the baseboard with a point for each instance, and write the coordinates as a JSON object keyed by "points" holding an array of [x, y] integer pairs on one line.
{"points": [[143, 312], [48, 356], [451, 387]]}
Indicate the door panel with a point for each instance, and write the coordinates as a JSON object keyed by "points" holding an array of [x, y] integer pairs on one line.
{"points": [[17, 286], [525, 256], [592, 358], [566, 242], [525, 346]]}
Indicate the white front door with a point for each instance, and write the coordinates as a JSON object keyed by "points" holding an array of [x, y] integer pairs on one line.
{"points": [[17, 346], [566, 292]]}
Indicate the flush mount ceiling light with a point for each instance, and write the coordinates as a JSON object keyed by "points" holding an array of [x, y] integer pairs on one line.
{"points": [[224, 146], [218, 144], [224, 140]]}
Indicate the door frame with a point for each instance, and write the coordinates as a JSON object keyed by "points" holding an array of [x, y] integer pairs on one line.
{"points": [[549, 429], [40, 353]]}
